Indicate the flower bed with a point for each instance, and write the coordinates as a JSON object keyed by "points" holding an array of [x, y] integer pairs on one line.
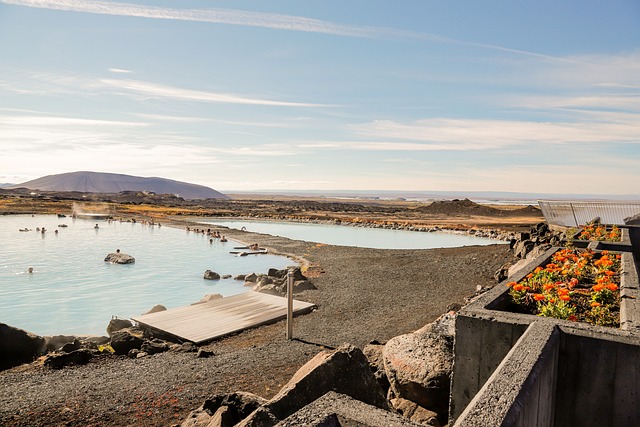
{"points": [[577, 285], [599, 232]]}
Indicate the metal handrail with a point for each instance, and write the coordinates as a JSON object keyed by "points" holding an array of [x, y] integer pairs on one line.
{"points": [[577, 213]]}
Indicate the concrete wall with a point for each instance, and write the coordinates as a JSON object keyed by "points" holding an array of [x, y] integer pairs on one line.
{"points": [[593, 363], [564, 377], [484, 336], [480, 346], [598, 380], [522, 390]]}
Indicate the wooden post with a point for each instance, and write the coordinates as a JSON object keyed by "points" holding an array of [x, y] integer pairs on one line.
{"points": [[289, 304]]}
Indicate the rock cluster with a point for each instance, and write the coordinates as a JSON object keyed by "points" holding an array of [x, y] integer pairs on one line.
{"points": [[402, 382], [539, 235], [528, 245], [19, 347], [344, 370], [275, 281], [127, 339]]}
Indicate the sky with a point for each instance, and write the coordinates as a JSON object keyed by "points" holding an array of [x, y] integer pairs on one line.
{"points": [[518, 96]]}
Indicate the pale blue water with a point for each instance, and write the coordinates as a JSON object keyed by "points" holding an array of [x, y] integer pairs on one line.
{"points": [[355, 236], [73, 291]]}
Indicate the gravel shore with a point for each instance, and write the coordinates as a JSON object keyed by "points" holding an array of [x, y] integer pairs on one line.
{"points": [[363, 295]]}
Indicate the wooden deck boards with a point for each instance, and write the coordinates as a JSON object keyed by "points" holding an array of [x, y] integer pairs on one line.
{"points": [[209, 320]]}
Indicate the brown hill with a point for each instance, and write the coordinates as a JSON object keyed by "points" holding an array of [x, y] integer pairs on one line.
{"points": [[99, 182], [467, 207]]}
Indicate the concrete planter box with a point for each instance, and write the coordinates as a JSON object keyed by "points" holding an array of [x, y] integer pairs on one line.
{"points": [[628, 287], [623, 245], [486, 333]]}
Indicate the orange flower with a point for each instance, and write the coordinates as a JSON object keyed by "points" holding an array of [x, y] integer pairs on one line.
{"points": [[595, 304], [565, 297], [612, 287], [529, 276], [517, 287], [538, 270], [573, 282], [510, 284], [538, 297], [548, 286], [598, 287], [563, 291]]}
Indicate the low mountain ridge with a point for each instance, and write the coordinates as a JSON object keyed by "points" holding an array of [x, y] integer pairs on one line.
{"points": [[467, 207], [101, 182]]}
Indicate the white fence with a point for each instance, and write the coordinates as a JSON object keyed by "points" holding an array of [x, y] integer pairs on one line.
{"points": [[576, 213]]}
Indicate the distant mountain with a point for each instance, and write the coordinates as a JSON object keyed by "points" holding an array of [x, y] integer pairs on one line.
{"points": [[98, 182]]}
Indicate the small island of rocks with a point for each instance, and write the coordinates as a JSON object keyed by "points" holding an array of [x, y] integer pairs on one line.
{"points": [[118, 257]]}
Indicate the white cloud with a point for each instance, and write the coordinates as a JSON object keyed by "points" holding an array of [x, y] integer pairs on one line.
{"points": [[19, 121], [255, 19], [119, 71], [161, 159], [49, 84], [216, 16], [162, 91], [476, 134]]}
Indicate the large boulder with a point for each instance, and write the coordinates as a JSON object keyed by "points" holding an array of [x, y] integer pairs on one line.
{"points": [[119, 258], [71, 346], [632, 220], [116, 324], [334, 409], [60, 360], [415, 412], [522, 248], [18, 346], [419, 365], [125, 340], [268, 289], [207, 298], [224, 410], [56, 342], [211, 275], [252, 277], [302, 285], [373, 353], [156, 309], [344, 370], [154, 346]]}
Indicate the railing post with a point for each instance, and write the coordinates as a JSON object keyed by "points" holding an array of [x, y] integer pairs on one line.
{"points": [[289, 304], [574, 215]]}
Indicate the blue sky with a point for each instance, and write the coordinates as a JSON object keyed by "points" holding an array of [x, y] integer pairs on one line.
{"points": [[538, 96]]}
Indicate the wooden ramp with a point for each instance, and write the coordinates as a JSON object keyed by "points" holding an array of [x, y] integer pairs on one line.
{"points": [[209, 320]]}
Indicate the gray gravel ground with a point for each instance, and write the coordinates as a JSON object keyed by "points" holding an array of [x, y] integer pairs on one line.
{"points": [[363, 295]]}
